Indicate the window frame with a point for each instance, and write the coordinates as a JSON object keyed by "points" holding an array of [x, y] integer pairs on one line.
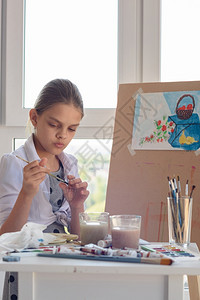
{"points": [[138, 61], [134, 57], [14, 68]]}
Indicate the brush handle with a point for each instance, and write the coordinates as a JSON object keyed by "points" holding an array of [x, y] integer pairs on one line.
{"points": [[58, 178]]}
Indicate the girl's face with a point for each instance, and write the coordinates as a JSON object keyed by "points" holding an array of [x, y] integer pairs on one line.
{"points": [[55, 128]]}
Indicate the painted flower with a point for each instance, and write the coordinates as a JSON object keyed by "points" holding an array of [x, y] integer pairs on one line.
{"points": [[159, 122], [161, 133]]}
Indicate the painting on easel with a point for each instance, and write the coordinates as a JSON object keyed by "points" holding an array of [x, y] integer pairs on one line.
{"points": [[172, 123]]}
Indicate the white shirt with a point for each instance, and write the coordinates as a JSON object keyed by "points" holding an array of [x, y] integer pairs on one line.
{"points": [[11, 179]]}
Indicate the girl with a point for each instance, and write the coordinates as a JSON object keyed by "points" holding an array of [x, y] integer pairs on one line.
{"points": [[27, 192]]}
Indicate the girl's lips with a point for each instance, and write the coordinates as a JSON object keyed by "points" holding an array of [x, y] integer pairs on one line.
{"points": [[59, 145]]}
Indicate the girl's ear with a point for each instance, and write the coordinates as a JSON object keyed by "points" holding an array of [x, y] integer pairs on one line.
{"points": [[33, 117]]}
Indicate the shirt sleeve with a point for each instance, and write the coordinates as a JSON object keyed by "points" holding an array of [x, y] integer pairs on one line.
{"points": [[11, 178]]}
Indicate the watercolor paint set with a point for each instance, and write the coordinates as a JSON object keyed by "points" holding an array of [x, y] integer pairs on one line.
{"points": [[175, 252]]}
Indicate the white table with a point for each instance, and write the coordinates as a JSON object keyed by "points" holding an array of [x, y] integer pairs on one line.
{"points": [[55, 278]]}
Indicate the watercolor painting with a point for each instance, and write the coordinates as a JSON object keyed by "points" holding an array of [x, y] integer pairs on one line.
{"points": [[167, 121]]}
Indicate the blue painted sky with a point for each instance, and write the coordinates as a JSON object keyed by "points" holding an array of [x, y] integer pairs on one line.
{"points": [[173, 97]]}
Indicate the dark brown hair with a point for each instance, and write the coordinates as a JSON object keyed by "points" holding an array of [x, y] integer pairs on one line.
{"points": [[58, 91]]}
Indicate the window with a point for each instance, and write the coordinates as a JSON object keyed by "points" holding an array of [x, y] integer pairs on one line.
{"points": [[180, 45], [48, 55], [136, 61], [126, 69], [75, 40], [93, 163]]}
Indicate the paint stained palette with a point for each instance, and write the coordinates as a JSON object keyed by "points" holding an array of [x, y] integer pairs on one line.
{"points": [[175, 252]]}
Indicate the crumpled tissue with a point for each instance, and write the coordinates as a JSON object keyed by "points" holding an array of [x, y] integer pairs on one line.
{"points": [[30, 236]]}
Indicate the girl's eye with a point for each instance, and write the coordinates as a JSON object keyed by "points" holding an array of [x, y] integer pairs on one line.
{"points": [[54, 125], [71, 129]]}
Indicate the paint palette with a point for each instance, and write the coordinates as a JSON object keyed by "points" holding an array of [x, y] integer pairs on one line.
{"points": [[174, 251]]}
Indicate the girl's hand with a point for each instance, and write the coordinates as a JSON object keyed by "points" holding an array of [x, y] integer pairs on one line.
{"points": [[76, 192], [34, 174]]}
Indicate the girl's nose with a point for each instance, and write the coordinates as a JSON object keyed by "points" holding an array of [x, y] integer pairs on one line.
{"points": [[61, 134]]}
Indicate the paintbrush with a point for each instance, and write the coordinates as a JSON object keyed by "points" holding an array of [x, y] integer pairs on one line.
{"points": [[50, 174], [193, 187], [157, 261]]}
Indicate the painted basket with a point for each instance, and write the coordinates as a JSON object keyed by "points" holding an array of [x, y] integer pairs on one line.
{"points": [[185, 114]]}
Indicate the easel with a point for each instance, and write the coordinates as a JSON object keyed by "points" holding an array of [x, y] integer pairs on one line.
{"points": [[137, 181]]}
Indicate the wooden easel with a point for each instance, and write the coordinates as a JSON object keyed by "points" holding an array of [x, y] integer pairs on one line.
{"points": [[137, 181]]}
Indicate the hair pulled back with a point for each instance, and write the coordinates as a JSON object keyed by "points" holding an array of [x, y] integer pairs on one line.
{"points": [[58, 91]]}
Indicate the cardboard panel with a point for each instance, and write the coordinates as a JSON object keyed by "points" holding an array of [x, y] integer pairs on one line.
{"points": [[137, 181]]}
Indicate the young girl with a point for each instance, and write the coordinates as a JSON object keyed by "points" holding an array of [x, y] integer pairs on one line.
{"points": [[27, 192]]}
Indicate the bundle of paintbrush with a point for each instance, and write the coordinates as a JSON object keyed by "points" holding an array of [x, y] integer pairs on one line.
{"points": [[179, 212]]}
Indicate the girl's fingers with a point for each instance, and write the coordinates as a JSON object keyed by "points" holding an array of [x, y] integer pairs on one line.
{"points": [[31, 165], [77, 182], [38, 176], [85, 192], [63, 186], [43, 162], [36, 163], [70, 177], [37, 167], [35, 172], [75, 186], [81, 185]]}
